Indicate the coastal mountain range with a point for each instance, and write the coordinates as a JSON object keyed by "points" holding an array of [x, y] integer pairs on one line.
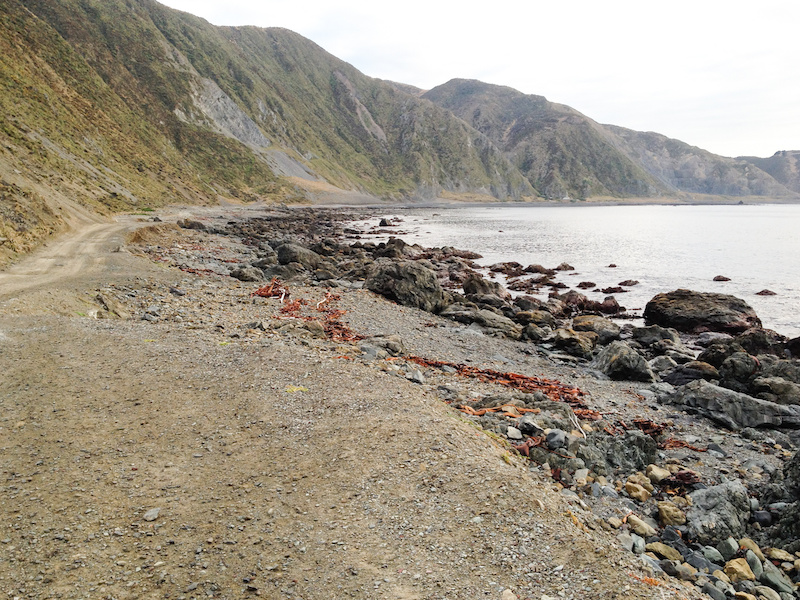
{"points": [[121, 105]]}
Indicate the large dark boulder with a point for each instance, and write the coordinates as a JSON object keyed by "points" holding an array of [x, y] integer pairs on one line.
{"points": [[295, 253], [738, 370], [762, 341], [695, 312], [407, 283], [732, 409], [718, 512], [619, 361], [716, 353]]}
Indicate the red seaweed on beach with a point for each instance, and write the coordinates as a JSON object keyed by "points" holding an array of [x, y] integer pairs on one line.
{"points": [[555, 390], [338, 331], [331, 319], [672, 443], [649, 427], [274, 289], [292, 309]]}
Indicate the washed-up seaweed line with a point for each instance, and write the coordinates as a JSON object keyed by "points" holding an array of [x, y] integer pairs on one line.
{"points": [[331, 321], [555, 390]]}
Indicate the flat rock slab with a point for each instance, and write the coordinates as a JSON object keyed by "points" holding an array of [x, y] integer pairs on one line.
{"points": [[732, 409]]}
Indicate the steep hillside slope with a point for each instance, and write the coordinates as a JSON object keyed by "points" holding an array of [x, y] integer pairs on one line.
{"points": [[693, 170], [73, 132], [563, 152], [559, 150], [784, 166], [123, 104]]}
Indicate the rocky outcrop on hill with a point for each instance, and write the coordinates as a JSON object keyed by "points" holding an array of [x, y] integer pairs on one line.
{"points": [[566, 154], [784, 166], [561, 152]]}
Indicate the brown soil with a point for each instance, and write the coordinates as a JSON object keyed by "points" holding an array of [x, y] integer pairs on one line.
{"points": [[282, 464]]}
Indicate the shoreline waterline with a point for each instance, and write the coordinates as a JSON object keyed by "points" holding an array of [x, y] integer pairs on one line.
{"points": [[663, 247]]}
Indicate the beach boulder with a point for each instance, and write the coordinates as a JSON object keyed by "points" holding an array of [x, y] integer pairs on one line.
{"points": [[576, 343], [718, 512], [606, 329], [619, 361], [695, 312], [647, 336], [477, 285], [407, 283], [295, 253]]}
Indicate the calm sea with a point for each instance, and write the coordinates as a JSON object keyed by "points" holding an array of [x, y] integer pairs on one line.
{"points": [[663, 247]]}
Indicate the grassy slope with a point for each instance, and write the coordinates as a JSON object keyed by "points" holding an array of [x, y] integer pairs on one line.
{"points": [[309, 101], [92, 93], [77, 124], [559, 150], [696, 171]]}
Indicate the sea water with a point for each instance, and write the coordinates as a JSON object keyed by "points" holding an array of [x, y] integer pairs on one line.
{"points": [[663, 247]]}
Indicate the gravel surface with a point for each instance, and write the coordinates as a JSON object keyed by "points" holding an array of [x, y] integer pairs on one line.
{"points": [[165, 434]]}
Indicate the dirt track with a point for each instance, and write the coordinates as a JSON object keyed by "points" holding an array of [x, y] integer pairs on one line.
{"points": [[279, 466]]}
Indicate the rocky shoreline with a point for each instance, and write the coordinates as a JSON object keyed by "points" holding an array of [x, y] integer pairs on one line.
{"points": [[715, 507]]}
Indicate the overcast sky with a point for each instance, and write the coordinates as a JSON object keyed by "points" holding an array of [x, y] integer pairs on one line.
{"points": [[719, 74]]}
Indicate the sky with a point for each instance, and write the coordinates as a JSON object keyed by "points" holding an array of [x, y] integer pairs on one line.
{"points": [[723, 75]]}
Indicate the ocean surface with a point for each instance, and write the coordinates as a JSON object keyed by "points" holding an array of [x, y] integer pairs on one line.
{"points": [[663, 247]]}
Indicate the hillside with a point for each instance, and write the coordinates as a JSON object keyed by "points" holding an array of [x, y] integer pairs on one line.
{"points": [[122, 105], [784, 166], [127, 105], [559, 150], [565, 153], [692, 170]]}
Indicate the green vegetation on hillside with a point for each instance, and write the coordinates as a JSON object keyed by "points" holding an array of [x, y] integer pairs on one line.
{"points": [[561, 152], [119, 104]]}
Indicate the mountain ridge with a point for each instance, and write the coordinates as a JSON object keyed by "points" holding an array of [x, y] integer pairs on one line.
{"points": [[566, 154], [122, 105]]}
